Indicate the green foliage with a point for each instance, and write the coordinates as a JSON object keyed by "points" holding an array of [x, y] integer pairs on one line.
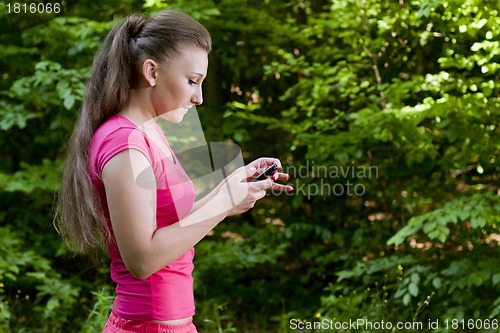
{"points": [[42, 76], [100, 311], [29, 285], [412, 89], [479, 211]]}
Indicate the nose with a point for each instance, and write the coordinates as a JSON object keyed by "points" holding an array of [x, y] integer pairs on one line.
{"points": [[197, 98]]}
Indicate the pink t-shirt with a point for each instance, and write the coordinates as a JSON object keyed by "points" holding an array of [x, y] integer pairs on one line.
{"points": [[168, 293]]}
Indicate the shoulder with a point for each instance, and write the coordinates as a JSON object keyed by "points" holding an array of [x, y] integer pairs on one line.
{"points": [[115, 135], [116, 127]]}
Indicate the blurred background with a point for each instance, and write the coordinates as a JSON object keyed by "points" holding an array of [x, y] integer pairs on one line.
{"points": [[385, 113]]}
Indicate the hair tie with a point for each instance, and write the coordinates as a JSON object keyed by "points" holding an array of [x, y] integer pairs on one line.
{"points": [[135, 39]]}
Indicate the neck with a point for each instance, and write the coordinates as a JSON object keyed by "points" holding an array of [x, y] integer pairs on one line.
{"points": [[138, 108]]}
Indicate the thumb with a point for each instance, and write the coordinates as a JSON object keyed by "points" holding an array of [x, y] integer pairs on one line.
{"points": [[251, 170], [263, 184]]}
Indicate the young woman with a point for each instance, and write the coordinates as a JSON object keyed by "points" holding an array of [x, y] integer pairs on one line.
{"points": [[122, 179]]}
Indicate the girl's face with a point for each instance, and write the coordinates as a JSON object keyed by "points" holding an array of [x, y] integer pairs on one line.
{"points": [[178, 83]]}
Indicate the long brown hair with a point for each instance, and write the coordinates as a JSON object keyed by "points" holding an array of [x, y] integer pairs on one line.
{"points": [[79, 217]]}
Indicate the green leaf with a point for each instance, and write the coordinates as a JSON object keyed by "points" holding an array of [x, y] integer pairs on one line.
{"points": [[400, 292], [413, 289], [436, 282], [69, 101], [406, 299], [495, 278]]}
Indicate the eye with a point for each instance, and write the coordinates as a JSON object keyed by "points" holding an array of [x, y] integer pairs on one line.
{"points": [[191, 82]]}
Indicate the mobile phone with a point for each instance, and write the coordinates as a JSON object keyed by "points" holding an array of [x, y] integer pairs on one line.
{"points": [[267, 173]]}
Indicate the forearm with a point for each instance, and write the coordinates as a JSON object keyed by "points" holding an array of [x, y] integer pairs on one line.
{"points": [[169, 243], [206, 198]]}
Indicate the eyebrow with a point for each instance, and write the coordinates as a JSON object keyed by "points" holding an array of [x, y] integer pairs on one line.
{"points": [[199, 74]]}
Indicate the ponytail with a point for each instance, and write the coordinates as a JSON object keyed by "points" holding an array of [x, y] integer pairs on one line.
{"points": [[79, 216]]}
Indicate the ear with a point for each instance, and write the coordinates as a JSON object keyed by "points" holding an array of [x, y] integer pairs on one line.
{"points": [[150, 71]]}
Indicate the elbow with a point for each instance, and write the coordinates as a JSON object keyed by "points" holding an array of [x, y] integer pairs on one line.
{"points": [[141, 265], [139, 271], [140, 275]]}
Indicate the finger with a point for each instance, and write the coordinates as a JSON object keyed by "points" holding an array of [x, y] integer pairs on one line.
{"points": [[261, 194], [251, 170], [281, 188], [245, 172], [280, 176], [264, 162], [262, 184]]}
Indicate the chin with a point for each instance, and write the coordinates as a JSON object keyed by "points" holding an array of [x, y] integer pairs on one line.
{"points": [[175, 116]]}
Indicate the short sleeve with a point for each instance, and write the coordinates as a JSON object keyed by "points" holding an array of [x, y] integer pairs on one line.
{"points": [[121, 139]]}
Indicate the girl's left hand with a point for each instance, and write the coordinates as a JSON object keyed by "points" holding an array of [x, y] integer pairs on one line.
{"points": [[264, 162]]}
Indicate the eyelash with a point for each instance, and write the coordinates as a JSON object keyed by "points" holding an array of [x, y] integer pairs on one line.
{"points": [[191, 82]]}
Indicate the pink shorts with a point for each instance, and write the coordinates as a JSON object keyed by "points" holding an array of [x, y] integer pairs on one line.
{"points": [[116, 324]]}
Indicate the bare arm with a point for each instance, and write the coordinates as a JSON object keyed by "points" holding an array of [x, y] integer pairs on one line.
{"points": [[132, 207]]}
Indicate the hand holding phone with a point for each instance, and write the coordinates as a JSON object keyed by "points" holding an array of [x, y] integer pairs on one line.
{"points": [[267, 173]]}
